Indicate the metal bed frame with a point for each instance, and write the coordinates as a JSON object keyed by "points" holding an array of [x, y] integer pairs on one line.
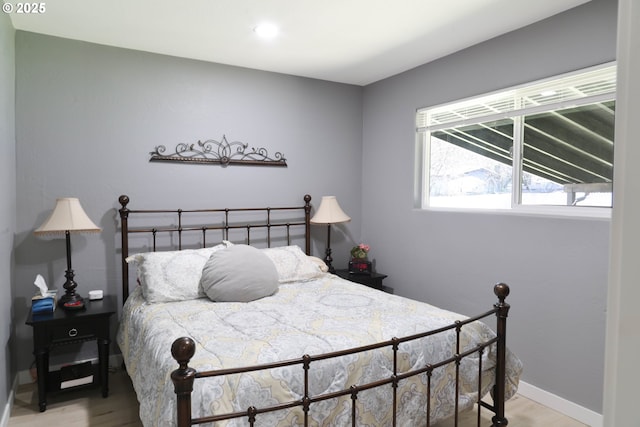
{"points": [[183, 348]]}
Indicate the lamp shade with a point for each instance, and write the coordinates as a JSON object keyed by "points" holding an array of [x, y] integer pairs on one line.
{"points": [[67, 215], [329, 212]]}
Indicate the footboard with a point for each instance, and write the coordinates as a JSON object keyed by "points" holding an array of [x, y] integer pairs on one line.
{"points": [[183, 349]]}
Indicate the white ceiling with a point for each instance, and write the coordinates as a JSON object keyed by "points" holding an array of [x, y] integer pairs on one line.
{"points": [[348, 41]]}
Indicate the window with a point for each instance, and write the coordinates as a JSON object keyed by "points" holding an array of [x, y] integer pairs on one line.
{"points": [[547, 144]]}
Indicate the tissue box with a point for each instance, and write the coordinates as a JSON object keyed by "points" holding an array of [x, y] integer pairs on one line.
{"points": [[44, 303]]}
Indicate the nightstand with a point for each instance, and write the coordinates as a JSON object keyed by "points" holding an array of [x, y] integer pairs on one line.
{"points": [[66, 327], [373, 280]]}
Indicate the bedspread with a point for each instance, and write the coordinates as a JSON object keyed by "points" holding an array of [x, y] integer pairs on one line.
{"points": [[323, 315]]}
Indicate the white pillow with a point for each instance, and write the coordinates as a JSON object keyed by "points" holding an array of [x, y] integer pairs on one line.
{"points": [[292, 264], [172, 275], [240, 273], [320, 263]]}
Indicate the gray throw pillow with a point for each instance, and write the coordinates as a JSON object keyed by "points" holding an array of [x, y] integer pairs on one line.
{"points": [[239, 273]]}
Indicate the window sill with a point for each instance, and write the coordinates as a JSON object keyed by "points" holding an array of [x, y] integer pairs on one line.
{"points": [[532, 211]]}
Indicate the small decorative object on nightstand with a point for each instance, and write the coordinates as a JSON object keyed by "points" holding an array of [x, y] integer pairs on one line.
{"points": [[359, 262], [62, 327]]}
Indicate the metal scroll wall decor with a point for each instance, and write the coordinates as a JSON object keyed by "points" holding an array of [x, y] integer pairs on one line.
{"points": [[218, 152]]}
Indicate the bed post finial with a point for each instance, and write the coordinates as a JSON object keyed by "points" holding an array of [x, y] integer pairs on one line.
{"points": [[502, 291], [502, 312], [124, 201], [182, 351]]}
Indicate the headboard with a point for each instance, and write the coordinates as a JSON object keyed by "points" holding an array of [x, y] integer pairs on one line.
{"points": [[173, 229]]}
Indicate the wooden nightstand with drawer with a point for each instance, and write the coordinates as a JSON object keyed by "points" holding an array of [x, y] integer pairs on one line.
{"points": [[66, 327]]}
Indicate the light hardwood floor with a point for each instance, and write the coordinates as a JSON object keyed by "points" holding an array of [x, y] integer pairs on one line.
{"points": [[86, 407], [79, 408]]}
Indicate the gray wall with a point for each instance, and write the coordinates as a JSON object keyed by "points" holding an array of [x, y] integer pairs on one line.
{"points": [[87, 117], [557, 267], [8, 197]]}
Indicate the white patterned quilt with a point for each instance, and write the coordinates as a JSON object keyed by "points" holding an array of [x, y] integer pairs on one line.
{"points": [[319, 316]]}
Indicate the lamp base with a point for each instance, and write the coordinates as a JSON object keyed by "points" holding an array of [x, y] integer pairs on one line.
{"points": [[328, 260], [71, 302]]}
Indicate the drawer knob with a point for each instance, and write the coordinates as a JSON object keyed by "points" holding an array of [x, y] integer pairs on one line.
{"points": [[73, 332]]}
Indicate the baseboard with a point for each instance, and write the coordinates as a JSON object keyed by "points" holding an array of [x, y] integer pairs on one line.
{"points": [[6, 413], [568, 408]]}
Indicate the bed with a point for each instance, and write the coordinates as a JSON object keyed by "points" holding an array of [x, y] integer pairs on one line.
{"points": [[207, 338]]}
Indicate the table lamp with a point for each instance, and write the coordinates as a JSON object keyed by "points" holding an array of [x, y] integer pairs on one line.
{"points": [[68, 217], [329, 213]]}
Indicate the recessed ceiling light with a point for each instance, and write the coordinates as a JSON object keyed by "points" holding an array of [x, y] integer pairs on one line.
{"points": [[266, 30]]}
